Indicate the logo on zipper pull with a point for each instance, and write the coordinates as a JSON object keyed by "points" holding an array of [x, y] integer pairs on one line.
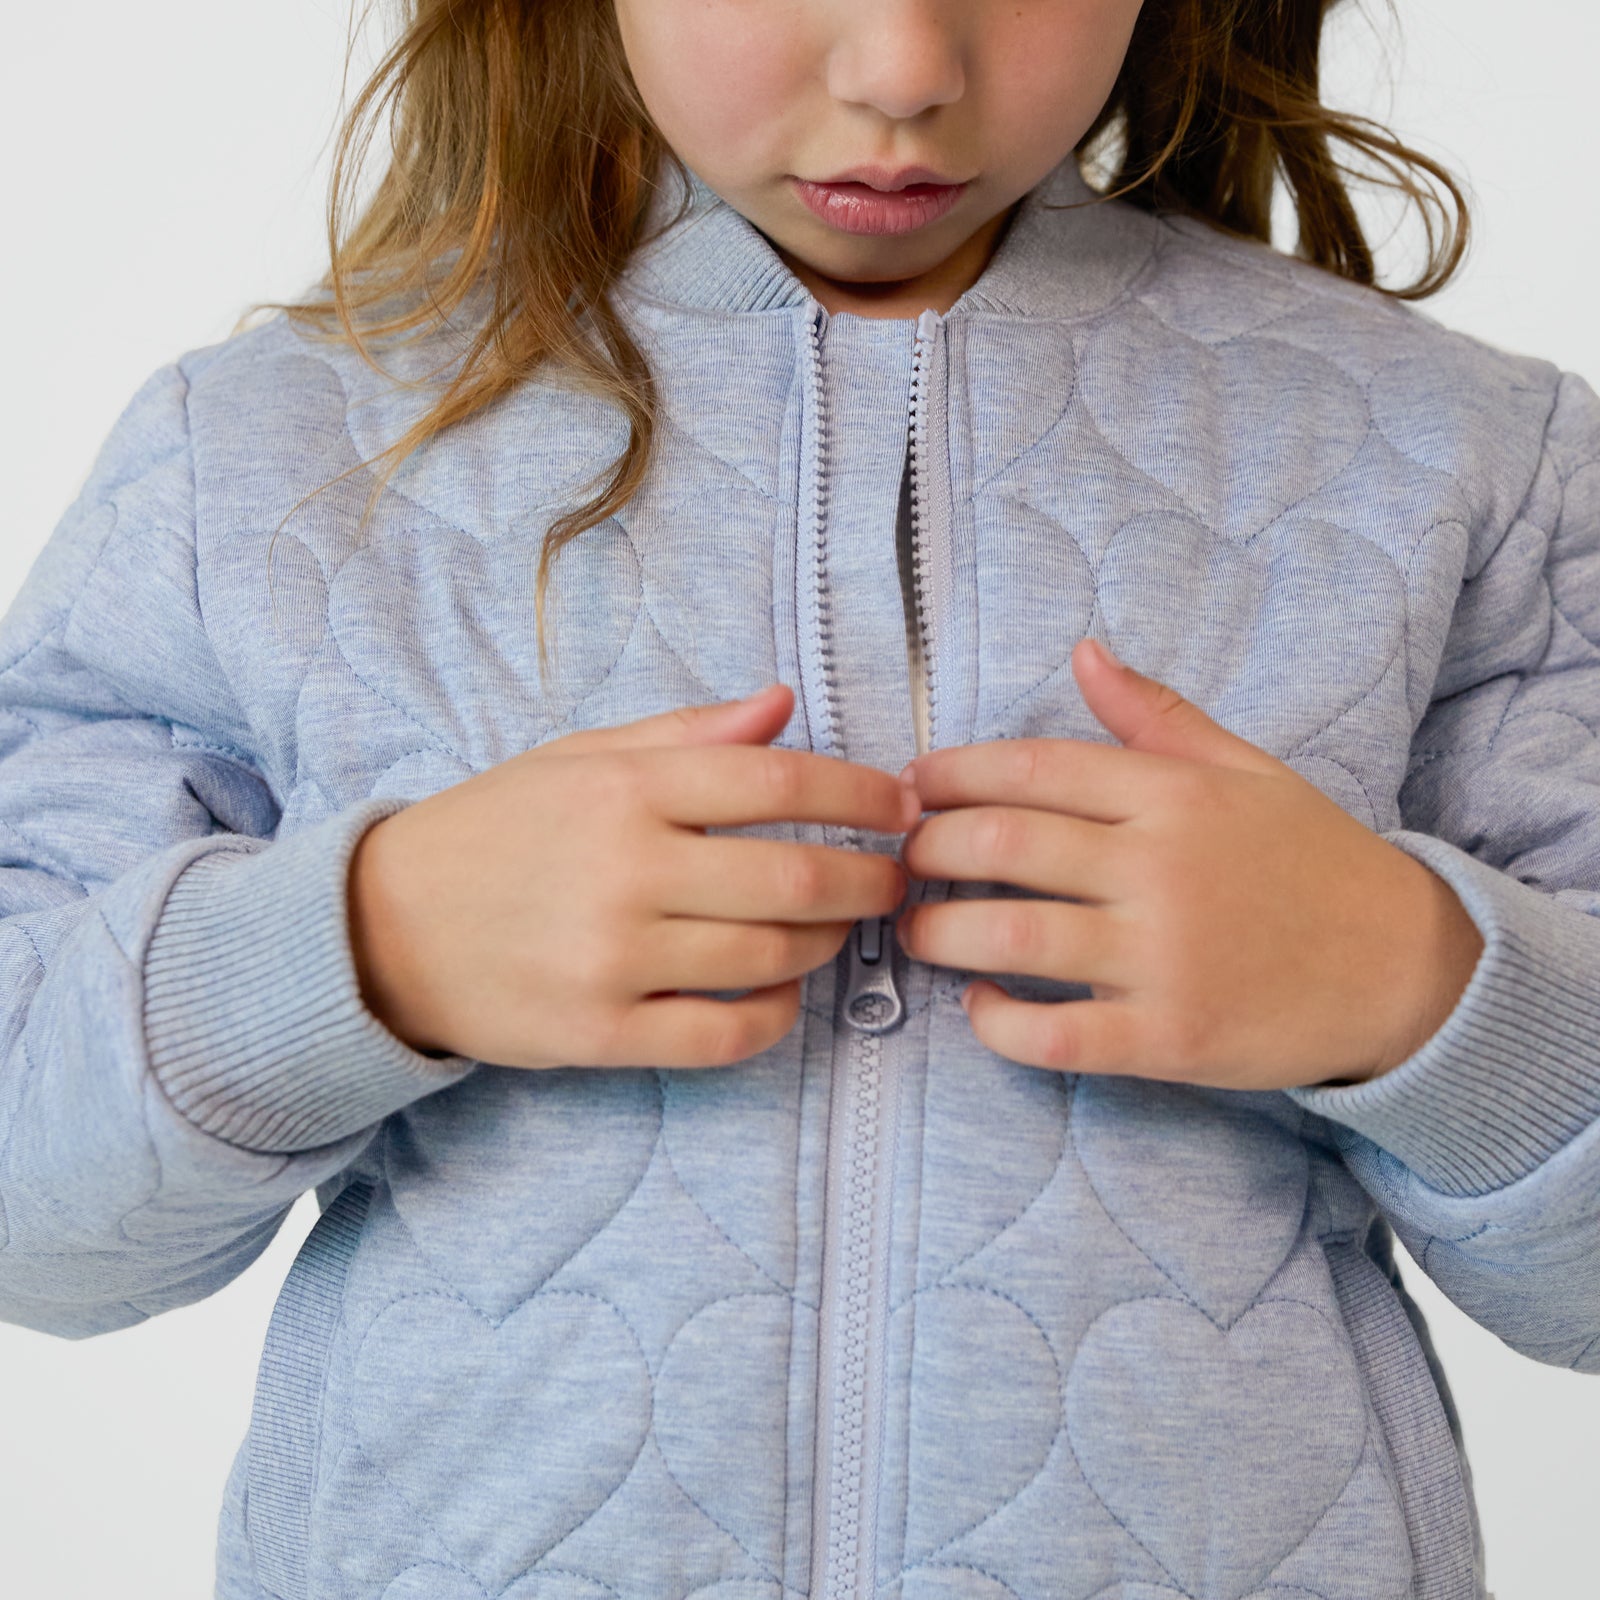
{"points": [[872, 1003]]}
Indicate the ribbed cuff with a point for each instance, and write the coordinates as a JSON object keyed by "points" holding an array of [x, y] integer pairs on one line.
{"points": [[253, 1016], [1513, 1074]]}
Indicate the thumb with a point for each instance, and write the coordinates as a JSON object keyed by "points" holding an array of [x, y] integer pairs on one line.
{"points": [[757, 719], [1146, 714]]}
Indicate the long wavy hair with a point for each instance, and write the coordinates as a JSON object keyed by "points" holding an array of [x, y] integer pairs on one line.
{"points": [[523, 163]]}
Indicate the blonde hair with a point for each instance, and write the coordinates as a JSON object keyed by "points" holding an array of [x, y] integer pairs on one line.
{"points": [[524, 162]]}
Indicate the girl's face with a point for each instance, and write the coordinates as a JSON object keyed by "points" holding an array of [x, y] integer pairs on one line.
{"points": [[759, 97]]}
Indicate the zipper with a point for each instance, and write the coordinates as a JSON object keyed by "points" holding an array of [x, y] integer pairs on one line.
{"points": [[864, 1105], [912, 531], [824, 735]]}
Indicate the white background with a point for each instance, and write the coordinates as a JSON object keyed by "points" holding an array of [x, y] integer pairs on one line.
{"points": [[166, 164]]}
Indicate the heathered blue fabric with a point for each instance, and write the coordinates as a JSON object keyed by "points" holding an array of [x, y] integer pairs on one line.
{"points": [[568, 1335]]}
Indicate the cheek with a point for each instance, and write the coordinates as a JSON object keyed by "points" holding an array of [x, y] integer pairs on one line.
{"points": [[716, 75], [1051, 71]]}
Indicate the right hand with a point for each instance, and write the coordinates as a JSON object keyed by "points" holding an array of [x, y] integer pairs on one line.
{"points": [[545, 912]]}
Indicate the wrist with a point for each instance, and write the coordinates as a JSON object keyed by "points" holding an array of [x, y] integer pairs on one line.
{"points": [[384, 952], [1440, 954]]}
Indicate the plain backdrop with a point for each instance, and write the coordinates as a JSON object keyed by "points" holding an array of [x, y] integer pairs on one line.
{"points": [[166, 164]]}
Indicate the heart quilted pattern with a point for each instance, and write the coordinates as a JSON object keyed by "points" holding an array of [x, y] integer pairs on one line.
{"points": [[454, 1163], [1184, 296], [721, 1397], [1281, 422], [429, 1582], [735, 654], [512, 486], [1041, 379], [972, 1202], [1242, 602], [561, 1380], [1157, 1415], [957, 1581], [730, 1137], [1212, 1193], [1161, 1591], [476, 688], [1035, 576], [980, 1366]]}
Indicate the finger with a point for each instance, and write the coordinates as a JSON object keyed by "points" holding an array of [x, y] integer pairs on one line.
{"points": [[691, 1030], [729, 785], [1043, 850], [1043, 938], [1091, 1036], [760, 716], [774, 880], [1101, 782], [693, 953]]}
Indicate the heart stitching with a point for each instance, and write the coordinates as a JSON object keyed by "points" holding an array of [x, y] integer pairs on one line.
{"points": [[562, 1376], [1153, 1409]]}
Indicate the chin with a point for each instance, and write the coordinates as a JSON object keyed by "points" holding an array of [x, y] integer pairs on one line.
{"points": [[865, 269]]}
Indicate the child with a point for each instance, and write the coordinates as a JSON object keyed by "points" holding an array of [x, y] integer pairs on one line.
{"points": [[747, 1173]]}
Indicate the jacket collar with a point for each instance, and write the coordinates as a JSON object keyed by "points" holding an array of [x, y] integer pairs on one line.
{"points": [[1066, 253]]}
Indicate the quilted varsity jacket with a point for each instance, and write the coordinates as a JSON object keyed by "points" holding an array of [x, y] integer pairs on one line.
{"points": [[878, 1312]]}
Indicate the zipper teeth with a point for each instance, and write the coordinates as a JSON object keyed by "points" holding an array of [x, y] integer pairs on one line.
{"points": [[819, 510], [845, 1514], [843, 1338], [920, 579]]}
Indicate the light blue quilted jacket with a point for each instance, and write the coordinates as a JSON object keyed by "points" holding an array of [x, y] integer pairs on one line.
{"points": [[878, 1312]]}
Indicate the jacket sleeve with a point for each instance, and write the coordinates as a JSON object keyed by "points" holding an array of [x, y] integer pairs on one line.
{"points": [[1483, 1148], [183, 1046]]}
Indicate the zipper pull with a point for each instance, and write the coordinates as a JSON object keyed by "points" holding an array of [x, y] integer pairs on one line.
{"points": [[872, 1003]]}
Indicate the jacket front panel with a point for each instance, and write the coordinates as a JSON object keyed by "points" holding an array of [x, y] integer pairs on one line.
{"points": [[609, 1278], [879, 1313]]}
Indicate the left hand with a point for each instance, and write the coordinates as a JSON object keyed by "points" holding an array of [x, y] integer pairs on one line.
{"points": [[1239, 929]]}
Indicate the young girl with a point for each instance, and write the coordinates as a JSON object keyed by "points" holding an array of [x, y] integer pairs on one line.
{"points": [[820, 1081]]}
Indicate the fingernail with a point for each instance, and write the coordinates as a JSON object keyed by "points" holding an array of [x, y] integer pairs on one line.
{"points": [[907, 770]]}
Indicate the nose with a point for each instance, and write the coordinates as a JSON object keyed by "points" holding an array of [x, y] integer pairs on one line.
{"points": [[898, 57]]}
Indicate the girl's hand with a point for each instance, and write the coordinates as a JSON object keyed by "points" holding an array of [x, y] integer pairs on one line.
{"points": [[1240, 929], [545, 912]]}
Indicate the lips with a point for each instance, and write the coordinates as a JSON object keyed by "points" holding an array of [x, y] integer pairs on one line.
{"points": [[853, 204], [888, 180]]}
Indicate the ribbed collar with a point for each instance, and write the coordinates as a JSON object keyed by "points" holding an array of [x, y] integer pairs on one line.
{"points": [[1051, 262]]}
